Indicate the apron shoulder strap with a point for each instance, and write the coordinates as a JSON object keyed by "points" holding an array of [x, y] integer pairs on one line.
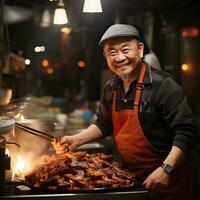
{"points": [[139, 85]]}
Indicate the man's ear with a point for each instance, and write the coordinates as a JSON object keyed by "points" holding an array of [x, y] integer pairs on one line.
{"points": [[141, 49]]}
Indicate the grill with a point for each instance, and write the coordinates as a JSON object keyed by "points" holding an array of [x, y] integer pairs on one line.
{"points": [[12, 190]]}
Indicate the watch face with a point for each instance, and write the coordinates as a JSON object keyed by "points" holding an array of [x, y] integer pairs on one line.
{"points": [[167, 168]]}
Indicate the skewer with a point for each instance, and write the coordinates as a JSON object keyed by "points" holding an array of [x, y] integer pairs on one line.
{"points": [[35, 132]]}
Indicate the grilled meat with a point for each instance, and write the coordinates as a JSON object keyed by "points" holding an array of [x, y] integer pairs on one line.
{"points": [[79, 170]]}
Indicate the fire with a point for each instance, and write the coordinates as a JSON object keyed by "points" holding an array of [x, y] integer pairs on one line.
{"points": [[20, 168], [7, 151], [21, 165]]}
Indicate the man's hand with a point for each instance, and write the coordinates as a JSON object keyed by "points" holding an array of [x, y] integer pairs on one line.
{"points": [[71, 143], [66, 143], [59, 148], [157, 180]]}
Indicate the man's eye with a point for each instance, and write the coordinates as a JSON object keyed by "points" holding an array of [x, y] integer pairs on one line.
{"points": [[112, 53], [126, 50]]}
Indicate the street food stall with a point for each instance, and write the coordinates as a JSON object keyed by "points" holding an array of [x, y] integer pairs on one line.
{"points": [[68, 175]]}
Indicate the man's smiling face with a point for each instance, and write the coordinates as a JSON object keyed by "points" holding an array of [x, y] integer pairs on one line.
{"points": [[123, 54]]}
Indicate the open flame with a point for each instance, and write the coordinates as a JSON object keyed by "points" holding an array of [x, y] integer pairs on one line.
{"points": [[21, 165], [7, 152], [19, 168]]}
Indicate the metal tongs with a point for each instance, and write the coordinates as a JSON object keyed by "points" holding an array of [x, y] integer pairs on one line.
{"points": [[36, 132]]}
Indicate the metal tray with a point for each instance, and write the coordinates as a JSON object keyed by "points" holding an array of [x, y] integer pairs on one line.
{"points": [[137, 186]]}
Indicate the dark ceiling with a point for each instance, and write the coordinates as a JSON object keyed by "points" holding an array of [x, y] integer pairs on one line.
{"points": [[74, 7], [148, 4], [17, 11], [24, 16]]}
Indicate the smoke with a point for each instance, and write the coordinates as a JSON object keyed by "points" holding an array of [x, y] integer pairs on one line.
{"points": [[31, 145], [31, 149]]}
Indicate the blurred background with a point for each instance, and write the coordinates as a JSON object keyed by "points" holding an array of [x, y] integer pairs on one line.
{"points": [[40, 58]]}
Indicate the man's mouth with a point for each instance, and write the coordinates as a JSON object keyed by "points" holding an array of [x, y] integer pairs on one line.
{"points": [[122, 66]]}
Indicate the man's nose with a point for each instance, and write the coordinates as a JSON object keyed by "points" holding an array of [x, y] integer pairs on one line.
{"points": [[120, 57]]}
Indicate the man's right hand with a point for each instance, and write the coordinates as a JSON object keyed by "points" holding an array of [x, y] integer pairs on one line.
{"points": [[66, 143], [71, 143]]}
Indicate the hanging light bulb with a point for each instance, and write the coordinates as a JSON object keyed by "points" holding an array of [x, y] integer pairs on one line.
{"points": [[60, 16], [46, 18], [92, 6]]}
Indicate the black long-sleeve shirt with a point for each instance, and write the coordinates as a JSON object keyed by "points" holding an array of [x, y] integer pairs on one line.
{"points": [[164, 114]]}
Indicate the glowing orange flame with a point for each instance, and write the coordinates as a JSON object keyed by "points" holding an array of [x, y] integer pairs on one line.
{"points": [[7, 151], [20, 168], [21, 165]]}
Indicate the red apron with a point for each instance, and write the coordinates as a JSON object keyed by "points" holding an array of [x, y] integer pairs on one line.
{"points": [[138, 154]]}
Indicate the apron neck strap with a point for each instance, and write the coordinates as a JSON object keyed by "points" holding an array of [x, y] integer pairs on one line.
{"points": [[139, 85]]}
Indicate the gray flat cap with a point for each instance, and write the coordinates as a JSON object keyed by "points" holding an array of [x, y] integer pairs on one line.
{"points": [[119, 30]]}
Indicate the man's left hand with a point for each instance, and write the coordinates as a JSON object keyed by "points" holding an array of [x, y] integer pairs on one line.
{"points": [[157, 180]]}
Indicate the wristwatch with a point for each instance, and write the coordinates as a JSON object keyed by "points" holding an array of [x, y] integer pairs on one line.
{"points": [[167, 168]]}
